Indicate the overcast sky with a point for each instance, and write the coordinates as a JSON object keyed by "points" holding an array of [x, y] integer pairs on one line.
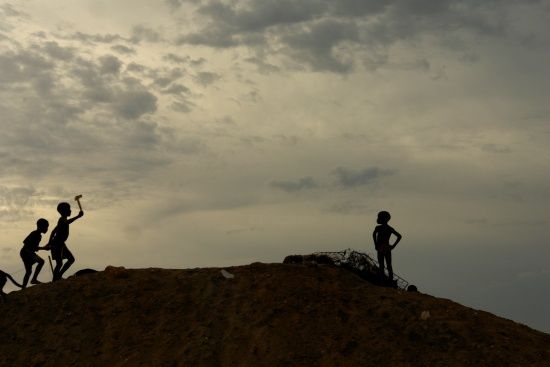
{"points": [[215, 133]]}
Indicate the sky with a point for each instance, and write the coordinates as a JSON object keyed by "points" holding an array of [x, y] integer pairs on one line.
{"points": [[217, 133]]}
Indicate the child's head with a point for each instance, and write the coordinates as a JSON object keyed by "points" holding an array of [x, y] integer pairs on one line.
{"points": [[64, 209], [42, 225], [383, 217]]}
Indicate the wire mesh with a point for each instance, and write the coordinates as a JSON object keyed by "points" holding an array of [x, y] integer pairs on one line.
{"points": [[361, 263]]}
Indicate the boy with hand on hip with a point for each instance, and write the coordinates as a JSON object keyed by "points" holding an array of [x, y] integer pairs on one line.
{"points": [[381, 236], [58, 237]]}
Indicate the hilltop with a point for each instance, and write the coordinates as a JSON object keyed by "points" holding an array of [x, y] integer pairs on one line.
{"points": [[266, 315]]}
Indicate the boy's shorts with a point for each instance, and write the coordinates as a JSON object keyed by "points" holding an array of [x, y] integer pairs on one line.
{"points": [[29, 257], [60, 251]]}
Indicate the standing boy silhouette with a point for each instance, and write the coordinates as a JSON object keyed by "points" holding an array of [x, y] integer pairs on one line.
{"points": [[58, 237], [381, 236], [28, 252]]}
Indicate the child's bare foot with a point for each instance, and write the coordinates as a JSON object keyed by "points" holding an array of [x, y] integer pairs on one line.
{"points": [[36, 281]]}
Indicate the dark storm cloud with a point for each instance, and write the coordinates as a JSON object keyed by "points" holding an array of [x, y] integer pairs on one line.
{"points": [[350, 178], [315, 45], [305, 183], [326, 35]]}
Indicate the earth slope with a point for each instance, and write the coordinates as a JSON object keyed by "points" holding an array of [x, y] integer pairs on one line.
{"points": [[267, 315]]}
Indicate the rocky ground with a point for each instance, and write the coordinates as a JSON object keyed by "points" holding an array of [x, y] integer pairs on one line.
{"points": [[266, 315]]}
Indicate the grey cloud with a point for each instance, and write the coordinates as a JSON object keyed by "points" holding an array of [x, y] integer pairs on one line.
{"points": [[9, 10], [94, 38], [132, 104], [218, 37], [163, 77], [325, 35], [22, 66], [495, 148], [263, 66], [53, 49], [357, 8], [15, 202], [349, 207], [40, 34], [305, 183], [123, 49], [175, 58], [97, 122], [350, 178], [175, 4], [142, 33], [16, 196], [259, 15], [182, 105], [316, 44], [109, 64], [136, 67], [206, 78], [198, 62], [176, 89]]}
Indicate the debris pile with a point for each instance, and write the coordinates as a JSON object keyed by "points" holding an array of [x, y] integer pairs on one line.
{"points": [[357, 262]]}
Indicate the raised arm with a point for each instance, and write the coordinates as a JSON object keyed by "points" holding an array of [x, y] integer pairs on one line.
{"points": [[80, 214]]}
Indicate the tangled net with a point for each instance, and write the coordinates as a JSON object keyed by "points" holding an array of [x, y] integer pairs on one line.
{"points": [[357, 262]]}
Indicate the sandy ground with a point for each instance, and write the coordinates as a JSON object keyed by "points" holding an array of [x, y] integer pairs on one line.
{"points": [[267, 315]]}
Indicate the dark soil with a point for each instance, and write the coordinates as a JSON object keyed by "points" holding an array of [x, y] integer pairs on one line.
{"points": [[267, 315]]}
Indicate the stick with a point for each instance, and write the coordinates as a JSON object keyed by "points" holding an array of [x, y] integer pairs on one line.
{"points": [[51, 266]]}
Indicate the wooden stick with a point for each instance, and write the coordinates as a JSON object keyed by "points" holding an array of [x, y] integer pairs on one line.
{"points": [[51, 266]]}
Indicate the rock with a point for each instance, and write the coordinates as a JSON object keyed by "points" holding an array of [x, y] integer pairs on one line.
{"points": [[227, 275]]}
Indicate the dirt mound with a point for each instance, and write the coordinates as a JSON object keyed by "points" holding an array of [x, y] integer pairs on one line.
{"points": [[266, 315]]}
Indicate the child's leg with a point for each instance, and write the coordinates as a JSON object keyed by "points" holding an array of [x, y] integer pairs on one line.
{"points": [[28, 271], [57, 269], [70, 260], [388, 265], [40, 263], [380, 262]]}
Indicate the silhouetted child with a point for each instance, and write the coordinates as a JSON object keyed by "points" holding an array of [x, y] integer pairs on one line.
{"points": [[381, 236], [28, 252], [58, 238]]}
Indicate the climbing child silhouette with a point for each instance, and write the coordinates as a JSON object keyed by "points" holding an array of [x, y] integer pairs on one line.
{"points": [[28, 252], [381, 236], [58, 237]]}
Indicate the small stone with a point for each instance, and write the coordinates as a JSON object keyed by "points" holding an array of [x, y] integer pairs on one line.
{"points": [[425, 315], [227, 275]]}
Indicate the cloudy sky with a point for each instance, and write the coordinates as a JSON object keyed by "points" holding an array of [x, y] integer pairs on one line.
{"points": [[222, 132]]}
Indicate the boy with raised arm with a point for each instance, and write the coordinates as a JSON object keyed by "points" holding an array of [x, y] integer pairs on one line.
{"points": [[31, 244], [58, 237], [381, 236]]}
